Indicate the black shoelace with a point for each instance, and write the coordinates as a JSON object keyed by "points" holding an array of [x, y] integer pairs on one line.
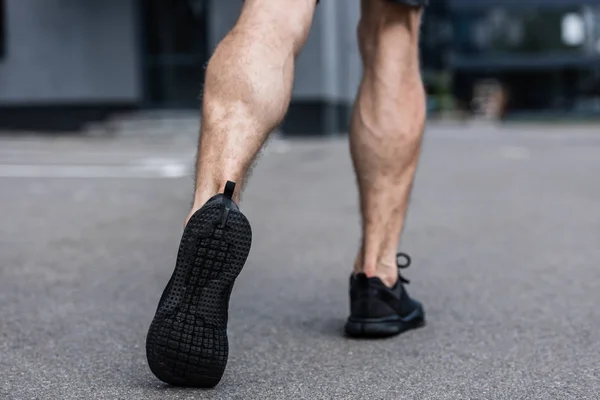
{"points": [[402, 265]]}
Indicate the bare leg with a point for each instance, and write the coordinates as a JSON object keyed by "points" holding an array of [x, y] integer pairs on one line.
{"points": [[247, 90], [386, 131]]}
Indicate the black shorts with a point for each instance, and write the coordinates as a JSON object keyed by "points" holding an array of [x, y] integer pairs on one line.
{"points": [[414, 3]]}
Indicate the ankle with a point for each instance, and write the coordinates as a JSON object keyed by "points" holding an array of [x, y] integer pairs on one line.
{"points": [[388, 273], [388, 277], [206, 191]]}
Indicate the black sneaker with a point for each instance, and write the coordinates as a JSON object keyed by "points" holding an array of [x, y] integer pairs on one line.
{"points": [[187, 340], [378, 311]]}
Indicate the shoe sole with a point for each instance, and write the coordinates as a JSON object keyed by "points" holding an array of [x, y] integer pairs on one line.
{"points": [[187, 341], [384, 327]]}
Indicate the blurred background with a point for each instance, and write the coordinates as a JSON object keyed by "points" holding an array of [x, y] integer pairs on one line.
{"points": [[66, 63], [99, 120]]}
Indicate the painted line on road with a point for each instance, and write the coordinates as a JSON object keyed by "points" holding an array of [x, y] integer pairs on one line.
{"points": [[515, 153], [151, 171]]}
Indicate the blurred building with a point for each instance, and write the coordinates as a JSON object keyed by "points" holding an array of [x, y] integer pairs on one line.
{"points": [[65, 62], [545, 54]]}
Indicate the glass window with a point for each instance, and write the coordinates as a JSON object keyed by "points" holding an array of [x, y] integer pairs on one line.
{"points": [[175, 51], [513, 31]]}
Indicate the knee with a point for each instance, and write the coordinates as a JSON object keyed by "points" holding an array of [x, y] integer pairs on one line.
{"points": [[387, 24]]}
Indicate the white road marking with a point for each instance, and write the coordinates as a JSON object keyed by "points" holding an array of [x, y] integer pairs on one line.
{"points": [[170, 170], [515, 153]]}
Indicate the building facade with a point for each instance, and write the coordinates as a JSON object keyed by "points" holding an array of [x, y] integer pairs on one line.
{"points": [[544, 53], [63, 62], [66, 62]]}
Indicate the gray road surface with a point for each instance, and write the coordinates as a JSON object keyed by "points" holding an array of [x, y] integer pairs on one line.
{"points": [[504, 232]]}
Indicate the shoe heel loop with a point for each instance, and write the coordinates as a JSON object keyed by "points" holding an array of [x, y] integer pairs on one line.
{"points": [[229, 189]]}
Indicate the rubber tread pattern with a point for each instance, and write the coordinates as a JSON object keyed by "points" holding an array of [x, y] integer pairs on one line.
{"points": [[187, 340]]}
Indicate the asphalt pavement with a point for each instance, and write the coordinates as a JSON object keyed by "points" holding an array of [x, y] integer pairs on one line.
{"points": [[503, 229]]}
